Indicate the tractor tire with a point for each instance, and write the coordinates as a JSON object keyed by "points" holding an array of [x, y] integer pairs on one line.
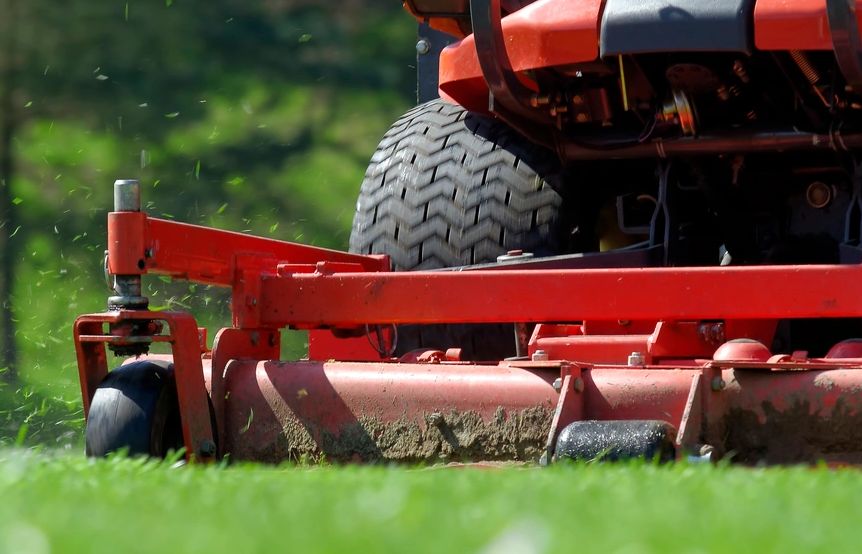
{"points": [[448, 188], [135, 409]]}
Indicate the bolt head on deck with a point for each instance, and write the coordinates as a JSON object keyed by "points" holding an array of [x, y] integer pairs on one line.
{"points": [[514, 255], [539, 356], [636, 359]]}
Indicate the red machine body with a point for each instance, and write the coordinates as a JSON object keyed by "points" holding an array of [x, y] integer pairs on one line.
{"points": [[644, 344], [678, 118], [551, 33]]}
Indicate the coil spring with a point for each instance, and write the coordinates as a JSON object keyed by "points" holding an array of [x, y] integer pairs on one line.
{"points": [[805, 66]]}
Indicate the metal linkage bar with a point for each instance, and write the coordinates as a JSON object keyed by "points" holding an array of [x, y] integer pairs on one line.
{"points": [[139, 244], [278, 284], [309, 300]]}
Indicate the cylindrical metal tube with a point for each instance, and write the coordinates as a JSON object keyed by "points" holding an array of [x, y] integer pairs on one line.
{"points": [[276, 411], [127, 195], [128, 288], [725, 143]]}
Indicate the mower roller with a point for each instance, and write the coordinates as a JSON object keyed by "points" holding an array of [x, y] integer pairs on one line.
{"points": [[627, 229]]}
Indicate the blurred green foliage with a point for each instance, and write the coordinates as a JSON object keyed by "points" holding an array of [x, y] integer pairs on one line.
{"points": [[251, 116]]}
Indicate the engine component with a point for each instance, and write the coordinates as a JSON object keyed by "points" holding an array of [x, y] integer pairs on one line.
{"points": [[810, 72], [818, 195], [692, 77], [680, 111]]}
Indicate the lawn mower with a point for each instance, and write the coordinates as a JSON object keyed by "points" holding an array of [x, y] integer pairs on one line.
{"points": [[625, 229]]}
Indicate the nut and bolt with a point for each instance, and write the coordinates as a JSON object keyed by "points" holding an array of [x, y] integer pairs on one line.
{"points": [[540, 100], [717, 384], [207, 449], [558, 384], [636, 359], [511, 255], [423, 47], [578, 385], [539, 356]]}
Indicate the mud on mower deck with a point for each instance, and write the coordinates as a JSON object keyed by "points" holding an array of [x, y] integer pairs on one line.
{"points": [[655, 362]]}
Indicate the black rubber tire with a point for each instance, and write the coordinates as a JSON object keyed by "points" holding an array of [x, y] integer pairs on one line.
{"points": [[447, 188], [135, 409]]}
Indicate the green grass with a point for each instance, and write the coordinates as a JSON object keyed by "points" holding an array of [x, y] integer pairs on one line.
{"points": [[65, 503]]}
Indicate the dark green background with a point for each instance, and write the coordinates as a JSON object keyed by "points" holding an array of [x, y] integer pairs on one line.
{"points": [[249, 115]]}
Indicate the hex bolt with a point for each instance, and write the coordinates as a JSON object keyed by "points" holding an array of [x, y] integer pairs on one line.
{"points": [[558, 384], [717, 384], [207, 449], [514, 255], [578, 385], [539, 356], [636, 359], [423, 47]]}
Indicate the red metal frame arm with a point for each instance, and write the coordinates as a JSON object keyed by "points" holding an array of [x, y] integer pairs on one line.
{"points": [[139, 244], [308, 300]]}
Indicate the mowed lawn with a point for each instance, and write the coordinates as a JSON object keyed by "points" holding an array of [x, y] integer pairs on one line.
{"points": [[64, 503]]}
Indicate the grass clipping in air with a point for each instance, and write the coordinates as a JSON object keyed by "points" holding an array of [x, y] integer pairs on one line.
{"points": [[70, 504]]}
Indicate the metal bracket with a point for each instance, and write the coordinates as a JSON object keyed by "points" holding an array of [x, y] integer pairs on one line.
{"points": [[236, 344], [690, 425], [90, 341], [509, 97], [570, 407], [661, 215], [850, 248]]}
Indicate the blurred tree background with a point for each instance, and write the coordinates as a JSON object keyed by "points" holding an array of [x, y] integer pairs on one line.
{"points": [[251, 115]]}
